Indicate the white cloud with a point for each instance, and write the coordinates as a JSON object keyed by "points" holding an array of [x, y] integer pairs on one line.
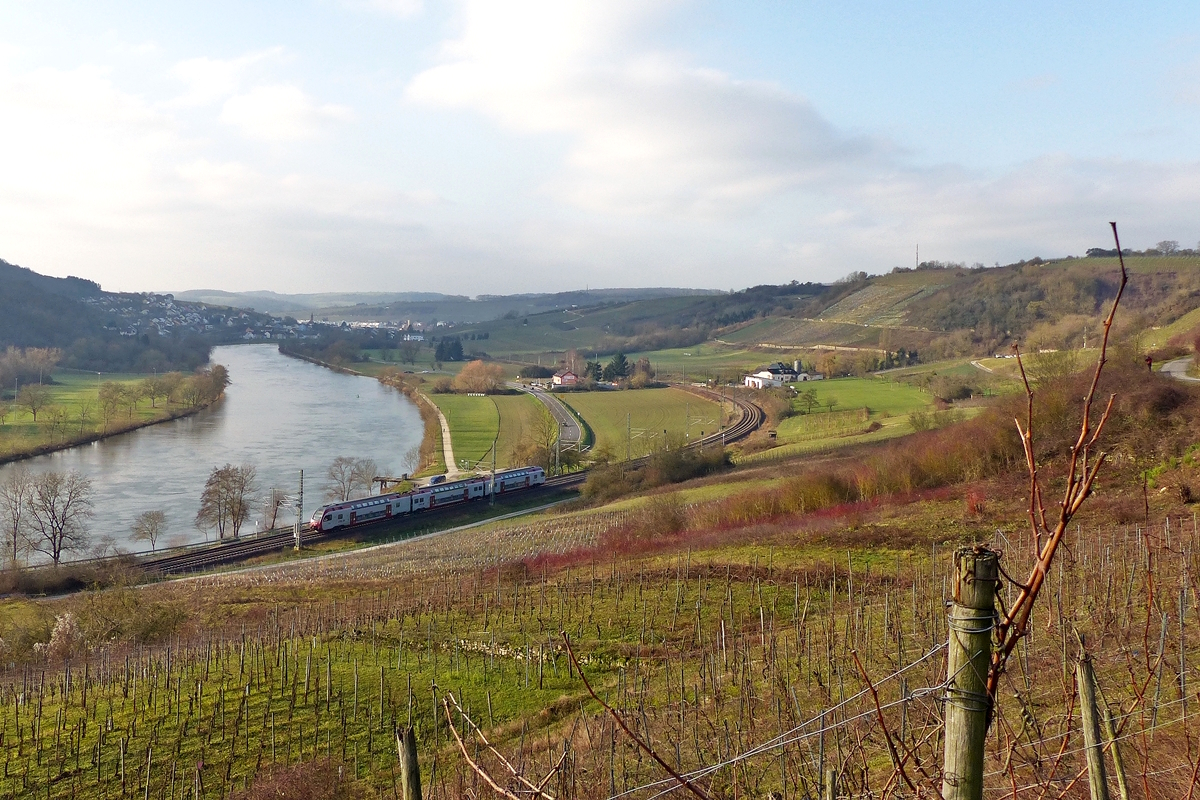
{"points": [[212, 79], [280, 112], [649, 133], [401, 9]]}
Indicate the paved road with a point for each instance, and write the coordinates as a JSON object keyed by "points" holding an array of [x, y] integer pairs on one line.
{"points": [[1178, 368], [570, 433]]}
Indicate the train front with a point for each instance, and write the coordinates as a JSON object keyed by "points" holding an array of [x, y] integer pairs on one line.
{"points": [[317, 517]]}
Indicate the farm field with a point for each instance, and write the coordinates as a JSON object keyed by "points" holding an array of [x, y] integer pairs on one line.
{"points": [[881, 396], [704, 360], [475, 422], [649, 412]]}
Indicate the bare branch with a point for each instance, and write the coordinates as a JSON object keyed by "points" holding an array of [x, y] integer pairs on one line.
{"points": [[647, 748]]}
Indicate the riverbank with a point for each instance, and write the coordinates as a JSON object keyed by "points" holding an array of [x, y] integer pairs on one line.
{"points": [[107, 433]]}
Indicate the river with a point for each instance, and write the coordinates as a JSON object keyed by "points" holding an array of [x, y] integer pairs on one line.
{"points": [[279, 414]]}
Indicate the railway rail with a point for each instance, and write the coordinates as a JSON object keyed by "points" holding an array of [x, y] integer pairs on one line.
{"points": [[231, 552]]}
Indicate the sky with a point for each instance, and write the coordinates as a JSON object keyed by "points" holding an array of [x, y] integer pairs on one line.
{"points": [[485, 146]]}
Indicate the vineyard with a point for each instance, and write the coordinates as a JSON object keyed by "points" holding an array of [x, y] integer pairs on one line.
{"points": [[756, 665]]}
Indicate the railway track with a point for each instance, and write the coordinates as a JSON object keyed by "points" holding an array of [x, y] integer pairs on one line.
{"points": [[274, 541]]}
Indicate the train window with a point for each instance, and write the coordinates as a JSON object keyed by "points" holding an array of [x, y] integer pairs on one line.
{"points": [[328, 517]]}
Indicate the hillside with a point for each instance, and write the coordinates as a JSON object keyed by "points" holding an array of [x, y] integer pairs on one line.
{"points": [[938, 310], [107, 331]]}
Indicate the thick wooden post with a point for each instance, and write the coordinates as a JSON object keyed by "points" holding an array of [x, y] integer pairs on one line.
{"points": [[971, 621], [829, 787], [1110, 733], [1085, 680], [410, 770]]}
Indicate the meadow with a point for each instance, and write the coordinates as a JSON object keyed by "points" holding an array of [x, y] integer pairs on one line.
{"points": [[645, 419], [475, 422], [73, 413]]}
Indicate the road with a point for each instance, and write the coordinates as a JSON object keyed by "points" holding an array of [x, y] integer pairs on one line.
{"points": [[1178, 368], [569, 432]]}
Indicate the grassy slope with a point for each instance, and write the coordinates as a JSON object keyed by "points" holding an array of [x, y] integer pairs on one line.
{"points": [[556, 331], [650, 412]]}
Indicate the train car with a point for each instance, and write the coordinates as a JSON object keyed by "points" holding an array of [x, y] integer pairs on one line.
{"points": [[510, 480], [385, 506]]}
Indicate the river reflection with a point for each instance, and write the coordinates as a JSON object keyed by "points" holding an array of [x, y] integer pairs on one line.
{"points": [[279, 414]]}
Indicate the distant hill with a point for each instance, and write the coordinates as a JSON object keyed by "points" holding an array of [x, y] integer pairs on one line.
{"points": [[276, 303], [424, 307]]}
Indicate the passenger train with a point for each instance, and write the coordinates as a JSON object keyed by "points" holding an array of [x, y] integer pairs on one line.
{"points": [[385, 506]]}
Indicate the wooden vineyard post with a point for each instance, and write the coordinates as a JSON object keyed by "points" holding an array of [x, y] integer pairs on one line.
{"points": [[410, 770], [970, 624], [1085, 679], [829, 787]]}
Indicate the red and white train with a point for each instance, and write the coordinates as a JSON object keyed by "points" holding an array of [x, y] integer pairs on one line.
{"points": [[386, 506]]}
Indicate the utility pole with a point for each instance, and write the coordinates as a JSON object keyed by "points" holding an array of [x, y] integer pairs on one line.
{"points": [[970, 623], [628, 435], [299, 512], [492, 495]]}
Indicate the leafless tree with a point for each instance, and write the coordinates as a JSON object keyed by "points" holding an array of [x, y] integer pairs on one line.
{"points": [[109, 397], [148, 526], [58, 418], [59, 508], [275, 499], [409, 350], [349, 476], [16, 491], [33, 397], [84, 415], [227, 499]]}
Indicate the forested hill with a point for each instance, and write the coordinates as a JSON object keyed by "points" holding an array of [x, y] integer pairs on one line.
{"points": [[106, 331]]}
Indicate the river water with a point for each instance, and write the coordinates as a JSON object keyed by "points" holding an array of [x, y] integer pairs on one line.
{"points": [[279, 414]]}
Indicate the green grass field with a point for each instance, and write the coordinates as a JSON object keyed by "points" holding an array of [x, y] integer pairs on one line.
{"points": [[705, 360], [650, 412], [878, 395], [73, 394], [475, 422], [857, 404], [519, 416]]}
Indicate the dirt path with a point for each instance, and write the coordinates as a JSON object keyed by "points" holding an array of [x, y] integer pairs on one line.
{"points": [[452, 469]]}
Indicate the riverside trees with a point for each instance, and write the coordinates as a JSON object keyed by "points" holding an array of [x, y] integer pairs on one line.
{"points": [[227, 499], [59, 504], [148, 527], [349, 476]]}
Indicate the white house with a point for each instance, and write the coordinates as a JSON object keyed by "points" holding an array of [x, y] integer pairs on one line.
{"points": [[772, 376], [565, 378]]}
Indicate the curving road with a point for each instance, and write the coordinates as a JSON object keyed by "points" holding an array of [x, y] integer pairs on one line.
{"points": [[569, 432], [1178, 368]]}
